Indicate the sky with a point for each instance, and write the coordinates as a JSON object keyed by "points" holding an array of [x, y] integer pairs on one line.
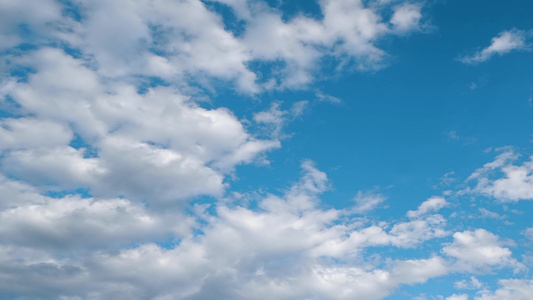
{"points": [[266, 149]]}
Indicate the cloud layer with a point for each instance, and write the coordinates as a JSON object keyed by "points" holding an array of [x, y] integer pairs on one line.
{"points": [[116, 166]]}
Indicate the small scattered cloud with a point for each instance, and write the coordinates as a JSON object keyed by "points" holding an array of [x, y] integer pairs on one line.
{"points": [[528, 233], [516, 183], [455, 136], [327, 98], [275, 119], [505, 42], [472, 284], [487, 214], [367, 201], [406, 18], [433, 204], [479, 83], [452, 135], [446, 180]]}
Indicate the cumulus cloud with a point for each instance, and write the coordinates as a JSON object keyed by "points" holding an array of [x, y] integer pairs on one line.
{"points": [[282, 250], [479, 250], [181, 40], [504, 43], [504, 180], [139, 143], [406, 17]]}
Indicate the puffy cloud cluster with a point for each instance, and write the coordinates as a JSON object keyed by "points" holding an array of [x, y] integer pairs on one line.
{"points": [[175, 41], [80, 131], [283, 247], [286, 249]]}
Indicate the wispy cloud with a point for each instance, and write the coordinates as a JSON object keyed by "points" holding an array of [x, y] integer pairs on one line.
{"points": [[503, 43]]}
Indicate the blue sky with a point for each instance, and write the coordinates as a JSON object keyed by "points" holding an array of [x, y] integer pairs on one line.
{"points": [[276, 149]]}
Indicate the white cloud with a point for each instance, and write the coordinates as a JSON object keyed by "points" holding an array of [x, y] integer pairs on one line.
{"points": [[478, 251], [275, 118], [406, 17], [158, 141], [170, 40], [42, 21], [457, 297], [27, 133], [281, 250], [176, 41], [347, 31], [403, 235], [100, 164], [14, 193], [485, 213], [472, 284], [367, 201], [327, 98], [528, 233], [433, 204], [418, 271], [516, 183], [70, 223], [512, 289], [505, 42]]}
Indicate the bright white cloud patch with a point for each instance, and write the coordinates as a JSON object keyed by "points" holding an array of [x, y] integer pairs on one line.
{"points": [[516, 183], [406, 17], [433, 204], [505, 42], [479, 250]]}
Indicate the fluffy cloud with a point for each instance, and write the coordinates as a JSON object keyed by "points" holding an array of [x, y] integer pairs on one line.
{"points": [[431, 205], [177, 41], [478, 251], [406, 17], [277, 251], [505, 42], [515, 184], [133, 144]]}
